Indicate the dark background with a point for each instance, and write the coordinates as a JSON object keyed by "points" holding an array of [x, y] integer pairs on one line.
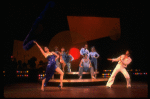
{"points": [[19, 17]]}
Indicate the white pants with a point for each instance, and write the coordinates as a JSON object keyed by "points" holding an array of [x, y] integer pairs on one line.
{"points": [[119, 68]]}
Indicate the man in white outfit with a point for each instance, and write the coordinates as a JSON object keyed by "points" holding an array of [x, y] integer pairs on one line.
{"points": [[84, 50], [123, 61]]}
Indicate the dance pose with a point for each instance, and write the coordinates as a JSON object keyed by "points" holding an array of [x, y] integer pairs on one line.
{"points": [[124, 60], [62, 58], [68, 59], [85, 65], [94, 55], [51, 67], [84, 50]]}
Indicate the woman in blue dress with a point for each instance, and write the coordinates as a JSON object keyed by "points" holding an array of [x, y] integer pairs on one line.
{"points": [[51, 67]]}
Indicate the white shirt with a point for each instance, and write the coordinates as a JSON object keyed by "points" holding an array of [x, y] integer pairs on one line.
{"points": [[122, 61], [93, 54], [83, 51]]}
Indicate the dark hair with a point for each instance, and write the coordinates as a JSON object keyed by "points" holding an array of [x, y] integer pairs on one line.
{"points": [[85, 44], [63, 48], [85, 54], [56, 47], [129, 51]]}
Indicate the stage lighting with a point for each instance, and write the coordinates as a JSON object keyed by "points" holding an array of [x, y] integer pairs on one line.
{"points": [[145, 73], [139, 70], [138, 73], [12, 57], [136, 70]]}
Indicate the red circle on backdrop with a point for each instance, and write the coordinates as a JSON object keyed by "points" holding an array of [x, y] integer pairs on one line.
{"points": [[75, 53]]}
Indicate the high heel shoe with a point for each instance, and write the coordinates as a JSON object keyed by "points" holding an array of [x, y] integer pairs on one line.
{"points": [[42, 89]]}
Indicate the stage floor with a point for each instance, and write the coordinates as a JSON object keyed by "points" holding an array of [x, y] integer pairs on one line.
{"points": [[118, 90]]}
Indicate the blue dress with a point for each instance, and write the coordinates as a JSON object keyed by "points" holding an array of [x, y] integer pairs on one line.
{"points": [[51, 67]]}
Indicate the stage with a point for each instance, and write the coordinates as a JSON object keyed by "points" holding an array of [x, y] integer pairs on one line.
{"points": [[118, 90]]}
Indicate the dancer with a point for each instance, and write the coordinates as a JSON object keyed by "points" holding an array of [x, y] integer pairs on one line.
{"points": [[84, 50], [62, 58], [85, 65], [51, 67], [124, 60], [94, 55], [68, 59]]}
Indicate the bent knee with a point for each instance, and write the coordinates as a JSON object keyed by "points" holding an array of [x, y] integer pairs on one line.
{"points": [[62, 73], [128, 77]]}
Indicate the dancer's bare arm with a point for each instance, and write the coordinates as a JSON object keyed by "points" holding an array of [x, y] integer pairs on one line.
{"points": [[114, 59], [42, 51], [81, 63]]}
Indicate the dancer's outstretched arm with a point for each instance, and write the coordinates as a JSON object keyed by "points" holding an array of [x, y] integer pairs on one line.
{"points": [[42, 51], [114, 59]]}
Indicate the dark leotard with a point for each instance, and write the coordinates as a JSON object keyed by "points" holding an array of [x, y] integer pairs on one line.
{"points": [[51, 67]]}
